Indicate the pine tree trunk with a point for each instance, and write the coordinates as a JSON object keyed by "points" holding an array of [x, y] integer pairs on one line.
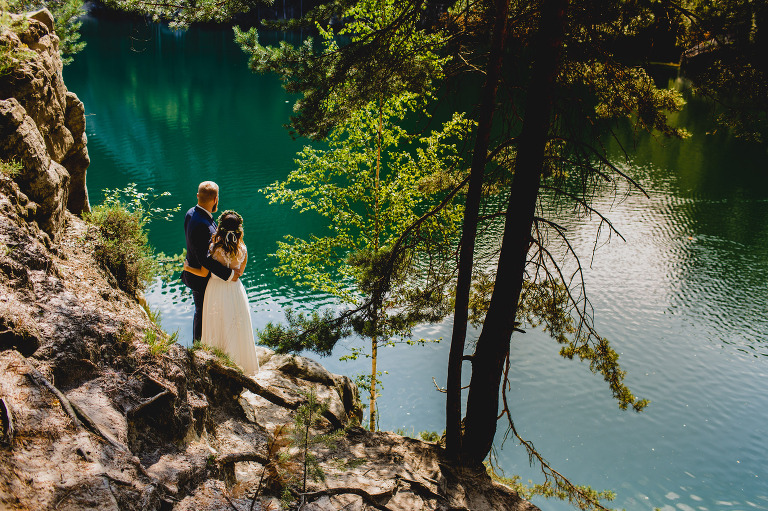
{"points": [[469, 232], [493, 344]]}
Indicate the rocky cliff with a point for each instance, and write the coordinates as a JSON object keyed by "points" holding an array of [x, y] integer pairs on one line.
{"points": [[99, 409], [43, 125]]}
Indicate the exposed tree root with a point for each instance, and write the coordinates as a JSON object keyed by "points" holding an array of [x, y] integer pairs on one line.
{"points": [[249, 384], [132, 412], [6, 419], [37, 378], [372, 500]]}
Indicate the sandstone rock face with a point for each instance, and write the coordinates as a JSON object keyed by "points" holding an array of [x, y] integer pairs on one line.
{"points": [[42, 125]]}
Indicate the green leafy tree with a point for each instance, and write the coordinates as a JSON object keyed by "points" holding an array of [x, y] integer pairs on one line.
{"points": [[310, 415], [370, 182], [336, 80], [180, 14], [296, 449], [725, 46], [510, 156], [370, 185]]}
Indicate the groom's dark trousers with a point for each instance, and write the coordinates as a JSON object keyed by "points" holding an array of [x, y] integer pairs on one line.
{"points": [[199, 227]]}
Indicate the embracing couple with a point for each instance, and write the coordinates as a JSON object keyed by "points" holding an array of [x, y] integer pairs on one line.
{"points": [[216, 257]]}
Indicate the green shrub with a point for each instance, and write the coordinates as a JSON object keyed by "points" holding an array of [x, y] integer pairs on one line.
{"points": [[427, 436], [11, 57], [121, 244], [160, 343], [220, 354], [10, 168], [430, 436]]}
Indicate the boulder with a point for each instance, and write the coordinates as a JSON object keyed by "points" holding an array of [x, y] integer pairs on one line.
{"points": [[20, 139], [50, 210], [300, 367], [179, 470], [44, 16]]}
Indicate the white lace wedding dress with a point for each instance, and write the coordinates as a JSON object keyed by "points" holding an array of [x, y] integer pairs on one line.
{"points": [[227, 317]]}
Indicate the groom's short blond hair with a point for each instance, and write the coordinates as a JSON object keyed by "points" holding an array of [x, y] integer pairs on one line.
{"points": [[207, 191]]}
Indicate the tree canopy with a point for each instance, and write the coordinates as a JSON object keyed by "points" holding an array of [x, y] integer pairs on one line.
{"points": [[371, 185]]}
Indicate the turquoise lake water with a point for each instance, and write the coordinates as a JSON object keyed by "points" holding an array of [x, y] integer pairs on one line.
{"points": [[684, 299]]}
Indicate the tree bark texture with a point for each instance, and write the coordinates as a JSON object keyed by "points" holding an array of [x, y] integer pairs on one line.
{"points": [[493, 344], [469, 232]]}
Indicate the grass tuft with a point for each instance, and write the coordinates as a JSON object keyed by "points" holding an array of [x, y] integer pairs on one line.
{"points": [[223, 357], [160, 343]]}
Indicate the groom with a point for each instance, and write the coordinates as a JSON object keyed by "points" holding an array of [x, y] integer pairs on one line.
{"points": [[199, 227]]}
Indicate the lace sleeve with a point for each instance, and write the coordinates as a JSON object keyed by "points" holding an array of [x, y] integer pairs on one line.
{"points": [[222, 257], [242, 253]]}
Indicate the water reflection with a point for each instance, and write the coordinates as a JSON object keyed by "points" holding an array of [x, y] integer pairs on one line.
{"points": [[709, 217]]}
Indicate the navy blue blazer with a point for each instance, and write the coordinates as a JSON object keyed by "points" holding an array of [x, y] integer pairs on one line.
{"points": [[199, 228]]}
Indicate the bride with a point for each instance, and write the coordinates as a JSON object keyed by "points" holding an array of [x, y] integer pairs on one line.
{"points": [[226, 316]]}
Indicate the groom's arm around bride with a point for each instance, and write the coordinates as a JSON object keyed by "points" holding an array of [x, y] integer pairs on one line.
{"points": [[199, 233]]}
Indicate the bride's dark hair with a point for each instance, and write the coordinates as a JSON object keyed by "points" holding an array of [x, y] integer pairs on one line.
{"points": [[229, 233]]}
